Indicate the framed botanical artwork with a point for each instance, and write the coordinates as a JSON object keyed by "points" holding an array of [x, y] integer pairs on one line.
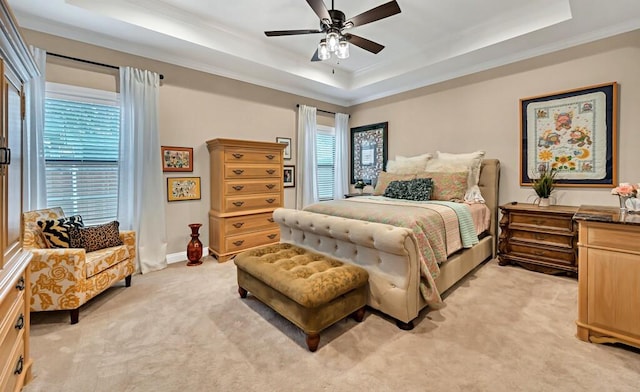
{"points": [[287, 149], [289, 176], [177, 159], [573, 132], [183, 188], [368, 152]]}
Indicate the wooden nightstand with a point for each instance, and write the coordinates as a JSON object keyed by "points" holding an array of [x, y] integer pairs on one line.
{"points": [[541, 239]]}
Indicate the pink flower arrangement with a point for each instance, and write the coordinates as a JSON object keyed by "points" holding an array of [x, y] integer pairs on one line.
{"points": [[626, 189]]}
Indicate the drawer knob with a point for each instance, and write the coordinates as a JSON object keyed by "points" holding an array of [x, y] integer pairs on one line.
{"points": [[19, 366], [540, 236], [270, 200], [270, 171], [238, 243], [238, 187], [269, 156], [20, 284], [238, 156], [271, 220], [539, 252], [20, 323], [538, 222], [238, 171], [270, 186], [238, 203], [238, 225], [272, 236]]}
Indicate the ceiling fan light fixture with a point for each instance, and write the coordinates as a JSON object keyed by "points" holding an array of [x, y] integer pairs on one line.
{"points": [[343, 49], [333, 39], [323, 51]]}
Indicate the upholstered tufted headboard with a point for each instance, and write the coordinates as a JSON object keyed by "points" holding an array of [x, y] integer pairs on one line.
{"points": [[489, 186]]}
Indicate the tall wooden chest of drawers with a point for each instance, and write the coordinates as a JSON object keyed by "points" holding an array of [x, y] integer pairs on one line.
{"points": [[609, 278], [246, 186], [541, 239]]}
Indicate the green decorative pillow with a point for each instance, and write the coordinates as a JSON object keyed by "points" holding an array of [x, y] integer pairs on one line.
{"points": [[447, 186], [93, 238], [418, 189], [56, 231]]}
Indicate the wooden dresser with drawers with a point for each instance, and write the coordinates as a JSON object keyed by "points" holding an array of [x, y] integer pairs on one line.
{"points": [[246, 186], [541, 239]]}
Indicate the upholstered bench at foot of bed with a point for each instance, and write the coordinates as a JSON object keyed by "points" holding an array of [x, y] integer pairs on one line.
{"points": [[311, 290]]}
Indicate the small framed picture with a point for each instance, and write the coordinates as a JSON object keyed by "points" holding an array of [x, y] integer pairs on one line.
{"points": [[287, 149], [289, 176], [183, 188], [177, 159]]}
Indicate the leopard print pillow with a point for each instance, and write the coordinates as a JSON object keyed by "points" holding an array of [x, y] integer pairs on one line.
{"points": [[93, 238]]}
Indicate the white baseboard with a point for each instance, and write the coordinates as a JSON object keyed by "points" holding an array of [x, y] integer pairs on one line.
{"points": [[182, 256]]}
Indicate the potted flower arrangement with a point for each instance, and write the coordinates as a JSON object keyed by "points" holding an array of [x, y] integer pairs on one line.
{"points": [[359, 185], [625, 191], [544, 185]]}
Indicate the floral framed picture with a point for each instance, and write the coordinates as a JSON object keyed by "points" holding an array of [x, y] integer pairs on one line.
{"points": [[289, 176], [177, 159], [183, 188], [572, 132], [368, 152], [287, 149]]}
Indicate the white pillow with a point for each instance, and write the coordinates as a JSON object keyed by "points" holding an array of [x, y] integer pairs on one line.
{"points": [[418, 158], [452, 162], [408, 165]]}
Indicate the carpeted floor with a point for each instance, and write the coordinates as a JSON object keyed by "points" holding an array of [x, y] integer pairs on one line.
{"points": [[186, 329]]}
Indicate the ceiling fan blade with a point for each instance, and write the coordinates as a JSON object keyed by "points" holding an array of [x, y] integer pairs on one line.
{"points": [[290, 32], [321, 10], [315, 56], [364, 43], [380, 12]]}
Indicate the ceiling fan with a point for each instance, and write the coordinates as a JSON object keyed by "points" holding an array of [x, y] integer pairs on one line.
{"points": [[333, 23]]}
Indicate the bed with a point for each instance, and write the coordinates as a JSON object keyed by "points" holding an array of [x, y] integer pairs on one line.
{"points": [[391, 254]]}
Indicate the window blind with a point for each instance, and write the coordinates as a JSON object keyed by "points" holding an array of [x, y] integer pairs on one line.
{"points": [[81, 148], [326, 152]]}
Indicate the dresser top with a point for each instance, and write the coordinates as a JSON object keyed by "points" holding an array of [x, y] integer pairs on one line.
{"points": [[251, 144], [535, 208], [606, 214]]}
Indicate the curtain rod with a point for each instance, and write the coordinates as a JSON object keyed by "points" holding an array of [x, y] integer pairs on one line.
{"points": [[323, 111], [88, 61]]}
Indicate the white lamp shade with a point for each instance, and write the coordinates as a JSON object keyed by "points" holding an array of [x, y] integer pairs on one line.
{"points": [[323, 51], [332, 41], [343, 49]]}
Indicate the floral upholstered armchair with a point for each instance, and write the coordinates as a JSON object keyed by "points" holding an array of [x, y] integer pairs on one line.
{"points": [[64, 278]]}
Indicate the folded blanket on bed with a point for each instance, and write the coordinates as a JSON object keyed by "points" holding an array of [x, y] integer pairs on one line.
{"points": [[425, 219]]}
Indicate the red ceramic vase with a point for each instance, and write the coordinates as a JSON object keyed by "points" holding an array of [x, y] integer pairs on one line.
{"points": [[194, 247]]}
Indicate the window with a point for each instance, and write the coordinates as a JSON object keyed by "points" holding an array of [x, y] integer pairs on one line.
{"points": [[326, 152], [81, 148]]}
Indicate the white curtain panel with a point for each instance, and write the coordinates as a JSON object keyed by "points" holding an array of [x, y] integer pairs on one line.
{"points": [[341, 186], [140, 194], [35, 185], [307, 161]]}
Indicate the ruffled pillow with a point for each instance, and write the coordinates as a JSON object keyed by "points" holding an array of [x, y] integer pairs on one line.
{"points": [[418, 189], [385, 178], [447, 162]]}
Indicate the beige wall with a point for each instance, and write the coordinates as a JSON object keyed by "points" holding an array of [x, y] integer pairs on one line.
{"points": [[469, 113], [480, 112], [194, 107]]}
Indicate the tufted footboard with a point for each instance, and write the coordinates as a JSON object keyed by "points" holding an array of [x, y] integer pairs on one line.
{"points": [[388, 253]]}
